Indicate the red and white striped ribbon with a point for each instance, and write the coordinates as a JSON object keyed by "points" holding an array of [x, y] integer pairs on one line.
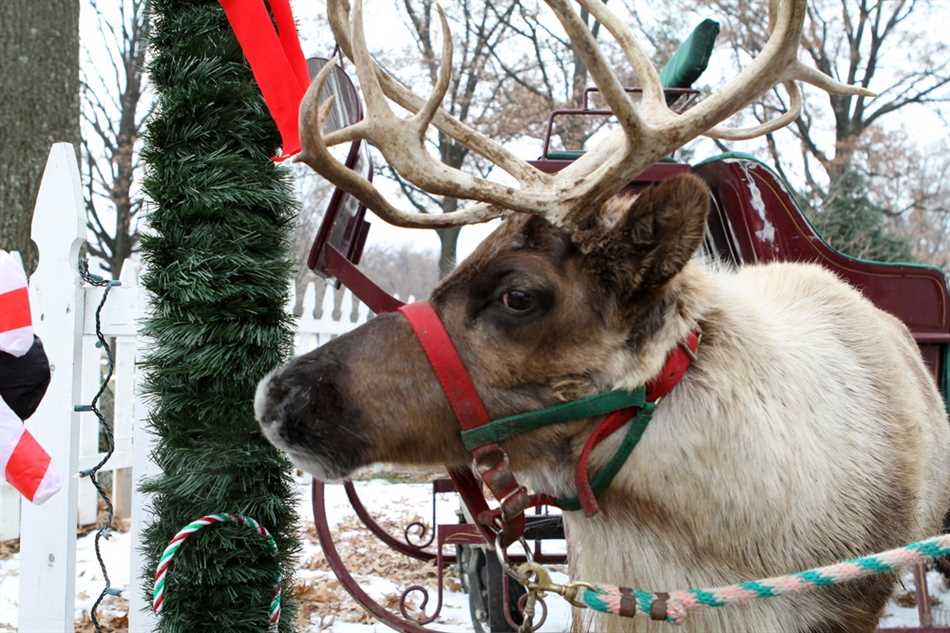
{"points": [[16, 326], [23, 462]]}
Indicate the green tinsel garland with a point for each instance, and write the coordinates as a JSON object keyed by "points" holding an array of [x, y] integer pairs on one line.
{"points": [[217, 265]]}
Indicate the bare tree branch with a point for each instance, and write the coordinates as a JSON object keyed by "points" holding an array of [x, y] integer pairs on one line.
{"points": [[114, 110]]}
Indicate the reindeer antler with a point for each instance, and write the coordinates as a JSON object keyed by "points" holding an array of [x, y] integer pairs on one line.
{"points": [[648, 130]]}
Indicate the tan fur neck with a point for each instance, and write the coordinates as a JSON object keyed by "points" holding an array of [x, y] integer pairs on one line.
{"points": [[773, 454]]}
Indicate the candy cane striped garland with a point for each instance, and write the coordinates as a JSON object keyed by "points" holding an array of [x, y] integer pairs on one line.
{"points": [[158, 592], [673, 607]]}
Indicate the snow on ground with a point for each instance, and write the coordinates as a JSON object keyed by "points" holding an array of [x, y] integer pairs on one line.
{"points": [[325, 605], [901, 611]]}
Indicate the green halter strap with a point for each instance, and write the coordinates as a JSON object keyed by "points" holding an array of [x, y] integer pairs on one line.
{"points": [[587, 407], [590, 406]]}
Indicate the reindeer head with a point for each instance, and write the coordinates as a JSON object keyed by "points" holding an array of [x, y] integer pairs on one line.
{"points": [[580, 290]]}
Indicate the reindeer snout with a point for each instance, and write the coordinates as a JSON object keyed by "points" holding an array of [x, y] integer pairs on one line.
{"points": [[293, 403], [301, 409], [261, 408]]}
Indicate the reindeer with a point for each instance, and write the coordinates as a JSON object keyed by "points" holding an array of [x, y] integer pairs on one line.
{"points": [[806, 431]]}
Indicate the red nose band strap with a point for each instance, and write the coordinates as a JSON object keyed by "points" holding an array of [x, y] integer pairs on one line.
{"points": [[449, 370], [604, 429], [490, 460]]}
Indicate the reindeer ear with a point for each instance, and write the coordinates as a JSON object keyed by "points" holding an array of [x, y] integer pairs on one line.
{"points": [[645, 240]]}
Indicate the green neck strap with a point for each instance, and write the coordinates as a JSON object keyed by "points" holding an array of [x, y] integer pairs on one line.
{"points": [[587, 407], [599, 482], [590, 406]]}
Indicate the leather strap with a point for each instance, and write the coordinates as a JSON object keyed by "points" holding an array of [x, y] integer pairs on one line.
{"points": [[489, 460], [677, 362], [607, 427], [447, 365]]}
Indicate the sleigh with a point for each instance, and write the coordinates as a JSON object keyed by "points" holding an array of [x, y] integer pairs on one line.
{"points": [[753, 219]]}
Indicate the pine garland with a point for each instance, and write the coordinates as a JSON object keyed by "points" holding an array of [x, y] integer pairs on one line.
{"points": [[217, 266]]}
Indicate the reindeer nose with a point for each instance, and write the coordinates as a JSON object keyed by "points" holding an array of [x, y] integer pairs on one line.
{"points": [[261, 408]]}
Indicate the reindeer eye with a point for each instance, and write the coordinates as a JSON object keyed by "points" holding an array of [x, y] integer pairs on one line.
{"points": [[517, 300]]}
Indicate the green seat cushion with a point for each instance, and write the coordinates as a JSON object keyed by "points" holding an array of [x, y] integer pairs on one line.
{"points": [[690, 59], [565, 154]]}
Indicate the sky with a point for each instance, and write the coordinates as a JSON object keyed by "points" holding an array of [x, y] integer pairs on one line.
{"points": [[386, 30]]}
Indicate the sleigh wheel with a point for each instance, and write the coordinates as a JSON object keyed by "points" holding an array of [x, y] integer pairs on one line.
{"points": [[486, 599]]}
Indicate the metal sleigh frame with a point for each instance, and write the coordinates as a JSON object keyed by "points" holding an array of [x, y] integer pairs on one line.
{"points": [[732, 234]]}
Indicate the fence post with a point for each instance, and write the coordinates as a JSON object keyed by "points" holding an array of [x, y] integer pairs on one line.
{"points": [[88, 365], [124, 400], [141, 619], [48, 532]]}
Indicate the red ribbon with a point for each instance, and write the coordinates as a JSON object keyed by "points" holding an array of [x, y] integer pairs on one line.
{"points": [[276, 61], [27, 466], [14, 310]]}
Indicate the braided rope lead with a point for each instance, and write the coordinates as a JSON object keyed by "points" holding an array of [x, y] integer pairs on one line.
{"points": [[673, 607], [165, 561]]}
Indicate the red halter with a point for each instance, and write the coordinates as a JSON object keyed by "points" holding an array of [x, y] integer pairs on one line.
{"points": [[490, 460]]}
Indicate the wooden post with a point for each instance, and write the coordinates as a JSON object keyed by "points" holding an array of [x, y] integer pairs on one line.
{"points": [[141, 618], [89, 367], [123, 410], [48, 532]]}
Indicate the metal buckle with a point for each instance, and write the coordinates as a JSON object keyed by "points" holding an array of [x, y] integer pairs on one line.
{"points": [[690, 353], [533, 597], [503, 461], [538, 581]]}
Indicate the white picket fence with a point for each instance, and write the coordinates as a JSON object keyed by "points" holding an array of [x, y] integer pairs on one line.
{"points": [[64, 317]]}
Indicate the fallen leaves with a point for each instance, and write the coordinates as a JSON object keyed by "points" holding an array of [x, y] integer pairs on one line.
{"points": [[372, 563], [908, 599], [9, 548], [113, 617]]}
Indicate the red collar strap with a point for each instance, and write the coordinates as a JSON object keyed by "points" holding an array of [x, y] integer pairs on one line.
{"points": [[490, 460]]}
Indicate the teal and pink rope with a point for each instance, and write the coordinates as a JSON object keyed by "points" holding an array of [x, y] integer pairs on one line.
{"points": [[673, 607], [161, 572]]}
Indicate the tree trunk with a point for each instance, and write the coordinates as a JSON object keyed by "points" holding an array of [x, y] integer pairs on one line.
{"points": [[448, 254], [39, 81], [449, 238]]}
